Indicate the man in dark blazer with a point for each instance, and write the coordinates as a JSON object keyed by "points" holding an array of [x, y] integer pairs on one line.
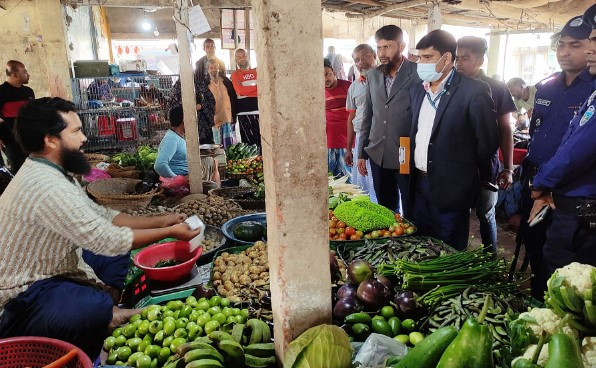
{"points": [[201, 73], [449, 137], [387, 118]]}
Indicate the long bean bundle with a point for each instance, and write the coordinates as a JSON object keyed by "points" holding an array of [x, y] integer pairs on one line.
{"points": [[450, 275]]}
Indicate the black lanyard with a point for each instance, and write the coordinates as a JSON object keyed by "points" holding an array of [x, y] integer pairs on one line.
{"points": [[433, 102]]}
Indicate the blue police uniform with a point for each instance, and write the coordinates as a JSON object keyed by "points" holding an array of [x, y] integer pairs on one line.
{"points": [[554, 107], [571, 177]]}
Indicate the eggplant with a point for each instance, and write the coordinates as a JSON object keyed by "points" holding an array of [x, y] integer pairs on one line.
{"points": [[347, 291], [359, 270], [346, 306], [408, 307], [373, 293], [385, 281], [334, 268]]}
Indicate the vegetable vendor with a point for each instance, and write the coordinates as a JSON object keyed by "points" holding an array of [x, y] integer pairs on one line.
{"points": [[172, 157], [46, 289], [567, 182]]}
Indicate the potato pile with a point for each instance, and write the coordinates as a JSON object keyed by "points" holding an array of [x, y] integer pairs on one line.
{"points": [[243, 276], [149, 211], [212, 211]]}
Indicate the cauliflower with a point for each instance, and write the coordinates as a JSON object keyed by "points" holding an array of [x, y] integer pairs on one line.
{"points": [[528, 327], [543, 319], [589, 352], [529, 353], [578, 275], [571, 291]]}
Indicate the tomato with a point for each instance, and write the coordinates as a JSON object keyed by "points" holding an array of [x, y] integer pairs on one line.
{"points": [[355, 237], [360, 233], [386, 233], [410, 230], [332, 224], [398, 217], [339, 230], [341, 224], [391, 229], [336, 237], [367, 236], [334, 219], [399, 231], [374, 234], [405, 226], [350, 231], [332, 231], [393, 234], [343, 237]]}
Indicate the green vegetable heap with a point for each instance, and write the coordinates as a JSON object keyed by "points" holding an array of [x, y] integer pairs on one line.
{"points": [[318, 347], [143, 159], [364, 215]]}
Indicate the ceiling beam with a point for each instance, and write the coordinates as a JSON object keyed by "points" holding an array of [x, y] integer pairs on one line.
{"points": [[205, 4], [367, 2], [389, 8]]}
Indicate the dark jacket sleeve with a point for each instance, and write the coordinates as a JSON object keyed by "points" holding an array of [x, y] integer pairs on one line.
{"points": [[366, 124], [482, 111], [233, 97]]}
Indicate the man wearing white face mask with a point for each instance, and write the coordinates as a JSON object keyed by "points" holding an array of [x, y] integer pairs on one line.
{"points": [[449, 138]]}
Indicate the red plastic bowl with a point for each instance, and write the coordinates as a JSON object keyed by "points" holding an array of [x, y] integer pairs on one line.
{"points": [[179, 250], [33, 351]]}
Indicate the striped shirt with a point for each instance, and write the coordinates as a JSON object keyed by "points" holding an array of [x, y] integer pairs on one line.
{"points": [[45, 221]]}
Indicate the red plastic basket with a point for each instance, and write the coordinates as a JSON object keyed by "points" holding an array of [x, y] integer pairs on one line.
{"points": [[179, 250], [35, 352]]}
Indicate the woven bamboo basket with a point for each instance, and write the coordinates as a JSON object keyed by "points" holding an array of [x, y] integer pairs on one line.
{"points": [[236, 193], [112, 193], [95, 158]]}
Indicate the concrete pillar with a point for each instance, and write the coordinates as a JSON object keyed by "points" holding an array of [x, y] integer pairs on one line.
{"points": [[291, 105], [493, 55], [33, 33], [55, 60], [195, 174]]}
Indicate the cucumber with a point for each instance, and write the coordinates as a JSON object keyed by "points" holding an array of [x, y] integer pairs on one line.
{"points": [[380, 326], [204, 363], [261, 350], [359, 317], [428, 352]]}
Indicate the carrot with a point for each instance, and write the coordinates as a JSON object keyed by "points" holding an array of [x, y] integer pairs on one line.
{"points": [[64, 360]]}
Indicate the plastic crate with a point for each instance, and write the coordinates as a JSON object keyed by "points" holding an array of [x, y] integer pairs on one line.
{"points": [[33, 351], [106, 125]]}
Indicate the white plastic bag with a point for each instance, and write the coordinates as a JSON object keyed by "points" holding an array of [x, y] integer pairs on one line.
{"points": [[377, 349]]}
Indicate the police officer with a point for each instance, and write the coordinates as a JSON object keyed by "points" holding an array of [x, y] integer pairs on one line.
{"points": [[567, 182], [557, 99]]}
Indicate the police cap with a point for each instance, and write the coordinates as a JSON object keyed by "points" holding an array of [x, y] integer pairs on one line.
{"points": [[590, 17], [576, 28]]}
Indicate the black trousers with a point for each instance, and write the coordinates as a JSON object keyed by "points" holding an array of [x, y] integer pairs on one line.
{"points": [[15, 154], [533, 238], [391, 188], [249, 129]]}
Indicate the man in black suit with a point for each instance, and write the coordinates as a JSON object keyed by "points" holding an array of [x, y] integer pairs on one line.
{"points": [[201, 73], [449, 136]]}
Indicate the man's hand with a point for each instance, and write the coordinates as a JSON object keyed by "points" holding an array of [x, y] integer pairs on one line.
{"points": [[349, 158], [199, 107], [362, 167], [183, 232], [505, 179], [1, 121], [172, 219], [539, 203], [535, 194]]}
